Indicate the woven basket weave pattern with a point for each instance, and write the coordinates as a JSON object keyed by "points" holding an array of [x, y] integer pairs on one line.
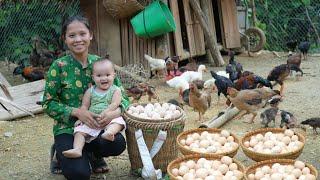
{"points": [[122, 8], [150, 128], [261, 156], [186, 151]]}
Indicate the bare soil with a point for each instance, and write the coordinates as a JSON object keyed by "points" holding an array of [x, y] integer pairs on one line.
{"points": [[25, 154]]}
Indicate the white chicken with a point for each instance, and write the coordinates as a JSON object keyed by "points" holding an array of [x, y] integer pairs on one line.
{"points": [[156, 65], [190, 76]]}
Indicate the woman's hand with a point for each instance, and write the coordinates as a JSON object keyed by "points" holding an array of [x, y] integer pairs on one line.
{"points": [[87, 117], [106, 117]]}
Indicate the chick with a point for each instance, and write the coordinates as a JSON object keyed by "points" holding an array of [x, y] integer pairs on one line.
{"points": [[313, 122], [269, 115]]}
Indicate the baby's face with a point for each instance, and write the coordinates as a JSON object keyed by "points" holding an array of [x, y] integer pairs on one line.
{"points": [[103, 75]]}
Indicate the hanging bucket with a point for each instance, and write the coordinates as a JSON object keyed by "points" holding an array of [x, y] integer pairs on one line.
{"points": [[154, 20]]}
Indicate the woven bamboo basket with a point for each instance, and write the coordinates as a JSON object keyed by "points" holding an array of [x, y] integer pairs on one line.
{"points": [[186, 151], [261, 156], [150, 128], [252, 168], [176, 162], [122, 8]]}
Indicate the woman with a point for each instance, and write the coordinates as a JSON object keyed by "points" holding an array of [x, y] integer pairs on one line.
{"points": [[66, 82]]}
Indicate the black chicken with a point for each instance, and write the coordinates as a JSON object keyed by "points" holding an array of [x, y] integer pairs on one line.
{"points": [[313, 122], [222, 83], [234, 69], [292, 45], [279, 73], [304, 47]]}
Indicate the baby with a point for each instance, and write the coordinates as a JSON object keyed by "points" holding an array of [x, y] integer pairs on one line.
{"points": [[102, 97]]}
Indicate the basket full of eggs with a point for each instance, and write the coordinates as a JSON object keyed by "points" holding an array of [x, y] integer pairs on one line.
{"points": [[281, 169], [151, 118], [208, 141], [201, 166], [272, 143]]}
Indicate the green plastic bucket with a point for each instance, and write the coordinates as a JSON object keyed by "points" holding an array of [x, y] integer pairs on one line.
{"points": [[154, 20]]}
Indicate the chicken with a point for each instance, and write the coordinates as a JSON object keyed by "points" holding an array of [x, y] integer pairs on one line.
{"points": [[200, 101], [250, 100], [190, 66], [222, 83], [40, 55], [313, 122], [157, 66], [151, 92], [292, 45], [29, 73], [279, 73], [295, 59], [190, 76], [234, 69], [251, 82], [304, 47], [136, 92], [172, 64], [269, 115]]}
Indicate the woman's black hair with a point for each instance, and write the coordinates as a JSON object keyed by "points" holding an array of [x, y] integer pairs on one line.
{"points": [[70, 19]]}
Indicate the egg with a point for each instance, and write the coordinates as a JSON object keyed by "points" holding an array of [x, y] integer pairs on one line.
{"points": [[211, 177], [189, 141], [223, 168], [305, 170], [176, 113], [258, 175], [189, 176], [215, 164], [286, 140], [165, 106], [175, 171], [226, 160], [238, 174], [230, 139], [299, 164], [202, 173], [310, 177], [179, 178], [195, 136], [183, 170], [288, 132], [266, 169], [246, 144], [190, 164], [233, 166], [253, 142], [251, 176], [222, 140], [296, 172], [183, 142], [276, 176], [290, 177], [211, 149], [225, 133]]}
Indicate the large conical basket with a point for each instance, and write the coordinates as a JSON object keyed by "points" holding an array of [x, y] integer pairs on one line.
{"points": [[150, 128]]}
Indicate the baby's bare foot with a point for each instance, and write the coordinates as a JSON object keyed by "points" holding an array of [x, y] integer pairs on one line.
{"points": [[108, 136], [72, 153]]}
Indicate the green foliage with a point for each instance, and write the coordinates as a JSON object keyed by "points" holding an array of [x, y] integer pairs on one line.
{"points": [[20, 22]]}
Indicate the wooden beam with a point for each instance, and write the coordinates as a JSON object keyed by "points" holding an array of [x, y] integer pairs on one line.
{"points": [[177, 34], [217, 122], [212, 41]]}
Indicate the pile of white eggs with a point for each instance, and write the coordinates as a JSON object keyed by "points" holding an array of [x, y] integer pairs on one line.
{"points": [[203, 169], [277, 171], [274, 143], [155, 111], [210, 142]]}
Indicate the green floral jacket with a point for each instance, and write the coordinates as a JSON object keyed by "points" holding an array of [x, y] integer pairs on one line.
{"points": [[65, 86]]}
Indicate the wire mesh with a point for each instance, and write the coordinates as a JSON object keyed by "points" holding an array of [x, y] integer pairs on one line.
{"points": [[287, 22], [21, 21]]}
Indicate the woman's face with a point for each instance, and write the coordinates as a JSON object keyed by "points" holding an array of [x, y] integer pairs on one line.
{"points": [[78, 38]]}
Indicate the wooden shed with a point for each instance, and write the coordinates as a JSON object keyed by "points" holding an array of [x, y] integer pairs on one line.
{"points": [[116, 36]]}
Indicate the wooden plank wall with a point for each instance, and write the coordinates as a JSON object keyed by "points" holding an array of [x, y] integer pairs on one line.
{"points": [[133, 47]]}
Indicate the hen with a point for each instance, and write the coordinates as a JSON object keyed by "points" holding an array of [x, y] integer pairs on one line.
{"points": [[172, 64], [313, 122], [157, 66], [292, 45], [200, 101], [234, 69], [279, 73], [250, 100], [222, 83], [251, 82], [304, 47], [295, 59]]}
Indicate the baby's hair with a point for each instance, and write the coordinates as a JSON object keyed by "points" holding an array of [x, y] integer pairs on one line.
{"points": [[103, 60], [70, 19]]}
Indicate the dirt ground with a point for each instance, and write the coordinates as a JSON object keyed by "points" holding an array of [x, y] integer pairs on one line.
{"points": [[25, 154]]}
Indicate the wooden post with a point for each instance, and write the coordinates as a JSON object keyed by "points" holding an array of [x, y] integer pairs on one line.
{"points": [[217, 122], [212, 41], [254, 16], [162, 42]]}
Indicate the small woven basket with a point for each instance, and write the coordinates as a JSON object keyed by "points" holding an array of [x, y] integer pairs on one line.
{"points": [[195, 157], [251, 169], [122, 8], [150, 129], [186, 151], [256, 156]]}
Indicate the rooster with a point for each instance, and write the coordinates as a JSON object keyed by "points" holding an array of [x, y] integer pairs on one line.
{"points": [[304, 47], [234, 69], [156, 65], [29, 73], [279, 73], [295, 59], [222, 83], [200, 101]]}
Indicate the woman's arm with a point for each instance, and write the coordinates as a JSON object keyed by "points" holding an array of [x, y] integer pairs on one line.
{"points": [[106, 118]]}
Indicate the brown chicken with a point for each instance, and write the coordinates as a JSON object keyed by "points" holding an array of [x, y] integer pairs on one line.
{"points": [[251, 81], [295, 59], [250, 100], [200, 101], [280, 73], [136, 92]]}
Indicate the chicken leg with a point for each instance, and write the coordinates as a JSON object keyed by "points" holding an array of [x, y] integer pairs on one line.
{"points": [[252, 119]]}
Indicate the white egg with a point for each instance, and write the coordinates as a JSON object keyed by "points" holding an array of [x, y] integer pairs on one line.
{"points": [[246, 144], [175, 171], [238, 174], [165, 106], [211, 177], [268, 134], [222, 140], [172, 107], [251, 176], [226, 160], [302, 177], [204, 134], [179, 178], [299, 164], [215, 164], [188, 176], [268, 144], [266, 169], [233, 166], [201, 161], [310, 177], [225, 133], [253, 142], [296, 172], [189, 141], [195, 136], [183, 170], [288, 132], [194, 145], [290, 177], [204, 143], [286, 140], [223, 168], [258, 175], [202, 173], [140, 108], [280, 136], [211, 149], [294, 138], [168, 115], [190, 164], [176, 113], [259, 137], [305, 170], [276, 176], [230, 139]]}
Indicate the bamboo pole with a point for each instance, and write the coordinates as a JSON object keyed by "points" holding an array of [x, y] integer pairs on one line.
{"points": [[217, 122], [212, 41]]}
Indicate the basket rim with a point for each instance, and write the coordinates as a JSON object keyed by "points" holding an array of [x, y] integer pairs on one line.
{"points": [[184, 133], [182, 114], [253, 167], [272, 156], [170, 166]]}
